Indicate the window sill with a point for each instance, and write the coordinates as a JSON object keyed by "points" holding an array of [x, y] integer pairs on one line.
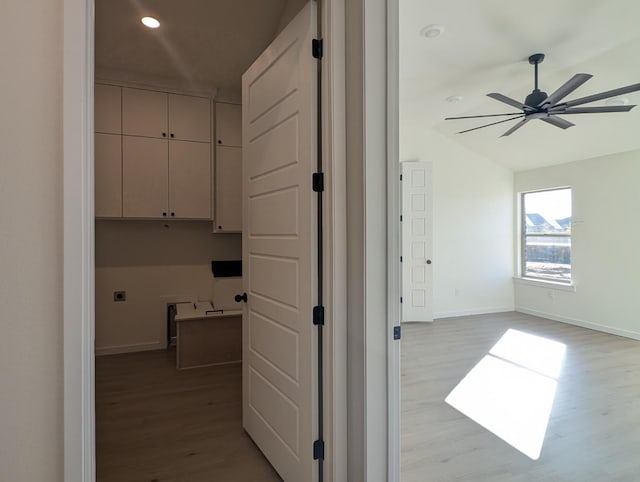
{"points": [[553, 285]]}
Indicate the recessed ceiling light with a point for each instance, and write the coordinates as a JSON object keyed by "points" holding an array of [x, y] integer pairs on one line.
{"points": [[150, 22], [618, 101], [454, 98], [432, 31]]}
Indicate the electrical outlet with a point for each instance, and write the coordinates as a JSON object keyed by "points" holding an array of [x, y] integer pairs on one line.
{"points": [[119, 296]]}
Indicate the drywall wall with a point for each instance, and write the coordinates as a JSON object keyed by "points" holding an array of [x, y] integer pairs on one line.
{"points": [[155, 262], [472, 225], [605, 255], [31, 242]]}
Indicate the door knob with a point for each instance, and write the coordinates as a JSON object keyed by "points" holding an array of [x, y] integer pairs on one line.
{"points": [[242, 297]]}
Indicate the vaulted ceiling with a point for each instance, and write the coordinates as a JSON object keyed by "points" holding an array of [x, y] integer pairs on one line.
{"points": [[484, 48]]}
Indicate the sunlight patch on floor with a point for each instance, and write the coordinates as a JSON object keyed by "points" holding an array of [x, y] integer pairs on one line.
{"points": [[510, 392]]}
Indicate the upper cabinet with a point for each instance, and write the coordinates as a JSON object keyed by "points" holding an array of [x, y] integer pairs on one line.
{"points": [[189, 118], [108, 109], [144, 113], [148, 113], [228, 169], [228, 124], [152, 154]]}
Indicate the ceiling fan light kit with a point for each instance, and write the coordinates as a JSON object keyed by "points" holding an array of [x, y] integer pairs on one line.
{"points": [[539, 105]]}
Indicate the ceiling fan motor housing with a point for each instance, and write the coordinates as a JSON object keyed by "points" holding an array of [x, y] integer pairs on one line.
{"points": [[535, 98]]}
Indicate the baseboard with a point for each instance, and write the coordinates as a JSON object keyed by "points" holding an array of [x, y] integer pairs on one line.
{"points": [[115, 350], [584, 324], [473, 311]]}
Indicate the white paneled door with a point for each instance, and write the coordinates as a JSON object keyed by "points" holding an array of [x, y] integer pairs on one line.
{"points": [[416, 242], [279, 249]]}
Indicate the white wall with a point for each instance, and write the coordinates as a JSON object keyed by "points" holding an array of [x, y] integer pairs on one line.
{"points": [[155, 262], [605, 244], [472, 225], [31, 242]]}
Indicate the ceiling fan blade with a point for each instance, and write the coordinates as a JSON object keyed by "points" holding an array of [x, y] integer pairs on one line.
{"points": [[509, 100], [516, 127], [592, 110], [478, 116], [557, 121], [569, 86], [492, 124], [602, 95]]}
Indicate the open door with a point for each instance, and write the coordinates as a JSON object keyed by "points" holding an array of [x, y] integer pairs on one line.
{"points": [[416, 242], [279, 249]]}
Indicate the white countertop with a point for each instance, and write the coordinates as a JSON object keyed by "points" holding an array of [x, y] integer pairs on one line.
{"points": [[200, 310]]}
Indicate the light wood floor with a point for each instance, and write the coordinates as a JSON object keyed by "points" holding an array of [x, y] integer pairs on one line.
{"points": [[594, 428], [157, 424]]}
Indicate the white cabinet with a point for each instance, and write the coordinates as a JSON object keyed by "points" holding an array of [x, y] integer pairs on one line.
{"points": [[158, 114], [152, 154], [228, 192], [228, 170], [166, 179], [144, 113], [228, 124], [189, 118], [145, 177], [108, 109], [108, 175], [189, 180]]}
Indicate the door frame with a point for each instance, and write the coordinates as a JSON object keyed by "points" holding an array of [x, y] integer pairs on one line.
{"points": [[79, 237]]}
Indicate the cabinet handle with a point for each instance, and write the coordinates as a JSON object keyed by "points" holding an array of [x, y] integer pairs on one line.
{"points": [[164, 134], [219, 227], [219, 141], [164, 214], [172, 135], [173, 214]]}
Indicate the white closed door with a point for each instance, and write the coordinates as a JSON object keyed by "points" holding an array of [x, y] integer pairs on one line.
{"points": [[279, 250], [144, 113], [417, 264], [228, 190], [189, 118], [189, 180], [145, 177]]}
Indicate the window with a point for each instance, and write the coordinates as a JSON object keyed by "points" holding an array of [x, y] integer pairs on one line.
{"points": [[546, 235]]}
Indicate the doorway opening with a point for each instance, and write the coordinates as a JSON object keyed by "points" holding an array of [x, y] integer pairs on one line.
{"points": [[168, 205]]}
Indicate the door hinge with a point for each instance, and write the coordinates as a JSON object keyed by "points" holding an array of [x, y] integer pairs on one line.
{"points": [[401, 259], [318, 450], [401, 177], [401, 218], [401, 299], [318, 315], [317, 181], [316, 48], [397, 332]]}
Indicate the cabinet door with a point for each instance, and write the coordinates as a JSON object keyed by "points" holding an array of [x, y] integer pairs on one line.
{"points": [[228, 124], [145, 177], [190, 180], [189, 118], [144, 113], [228, 190], [108, 109], [108, 176]]}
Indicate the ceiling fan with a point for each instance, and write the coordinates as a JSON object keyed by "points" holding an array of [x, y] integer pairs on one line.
{"points": [[539, 105]]}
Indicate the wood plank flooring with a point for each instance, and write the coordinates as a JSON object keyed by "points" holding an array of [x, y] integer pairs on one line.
{"points": [[158, 424], [594, 427]]}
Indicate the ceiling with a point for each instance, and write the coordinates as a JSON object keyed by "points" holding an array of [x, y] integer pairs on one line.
{"points": [[199, 42], [485, 47]]}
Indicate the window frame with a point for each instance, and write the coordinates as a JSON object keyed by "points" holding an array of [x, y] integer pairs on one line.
{"points": [[524, 235]]}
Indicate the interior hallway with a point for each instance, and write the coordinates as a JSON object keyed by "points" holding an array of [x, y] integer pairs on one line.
{"points": [[594, 427], [158, 424]]}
